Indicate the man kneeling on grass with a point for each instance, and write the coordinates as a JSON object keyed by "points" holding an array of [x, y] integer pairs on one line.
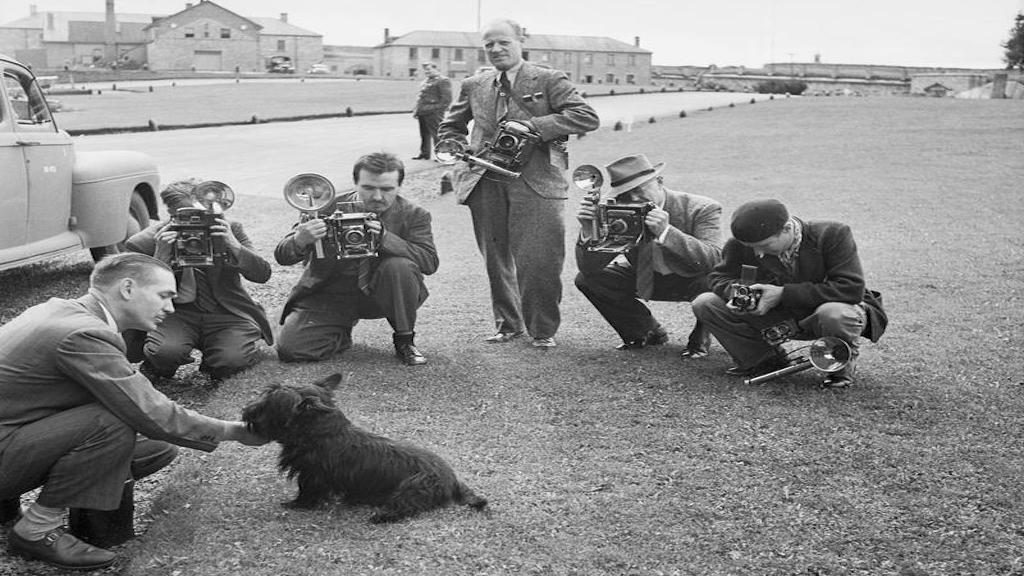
{"points": [[808, 277], [73, 412]]}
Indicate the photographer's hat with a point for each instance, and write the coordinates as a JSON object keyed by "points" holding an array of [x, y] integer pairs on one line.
{"points": [[629, 172], [757, 220]]}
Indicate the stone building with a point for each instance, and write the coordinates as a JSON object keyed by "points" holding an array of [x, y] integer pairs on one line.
{"points": [[207, 36], [586, 59]]}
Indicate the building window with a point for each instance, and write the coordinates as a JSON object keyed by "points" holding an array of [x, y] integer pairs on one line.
{"points": [[611, 59], [632, 59], [458, 55], [481, 56], [435, 53], [225, 32], [190, 33], [588, 58], [280, 46], [413, 53], [206, 31], [526, 54]]}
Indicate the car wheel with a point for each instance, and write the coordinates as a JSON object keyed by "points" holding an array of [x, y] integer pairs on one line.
{"points": [[138, 219]]}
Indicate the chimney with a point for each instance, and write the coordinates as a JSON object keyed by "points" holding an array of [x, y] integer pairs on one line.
{"points": [[284, 17], [188, 5], [387, 35], [636, 41], [110, 33], [32, 10]]}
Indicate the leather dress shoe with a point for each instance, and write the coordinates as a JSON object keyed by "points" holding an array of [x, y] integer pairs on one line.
{"points": [[765, 366], [655, 337], [502, 337], [60, 549], [543, 343], [409, 355], [421, 157]]}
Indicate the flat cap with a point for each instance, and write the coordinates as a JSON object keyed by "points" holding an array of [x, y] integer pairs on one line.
{"points": [[757, 220]]}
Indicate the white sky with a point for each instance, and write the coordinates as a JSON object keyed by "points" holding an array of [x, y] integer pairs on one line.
{"points": [[950, 33]]}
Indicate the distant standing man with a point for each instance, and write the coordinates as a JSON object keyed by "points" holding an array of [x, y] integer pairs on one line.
{"points": [[519, 224], [434, 98]]}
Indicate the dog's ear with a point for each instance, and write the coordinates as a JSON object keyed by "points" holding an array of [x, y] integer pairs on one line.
{"points": [[315, 404], [330, 382]]}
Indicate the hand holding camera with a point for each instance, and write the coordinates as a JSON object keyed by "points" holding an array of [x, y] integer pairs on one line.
{"points": [[610, 226], [201, 236], [351, 232], [505, 155], [753, 298]]}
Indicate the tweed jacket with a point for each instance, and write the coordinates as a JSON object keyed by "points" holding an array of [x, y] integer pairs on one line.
{"points": [[828, 270], [225, 280], [62, 354], [407, 234], [693, 243], [434, 97], [543, 96]]}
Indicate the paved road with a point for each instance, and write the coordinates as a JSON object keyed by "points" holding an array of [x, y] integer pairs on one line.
{"points": [[259, 159]]}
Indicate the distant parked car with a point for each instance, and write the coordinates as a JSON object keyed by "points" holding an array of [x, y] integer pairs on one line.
{"points": [[280, 65], [318, 69]]}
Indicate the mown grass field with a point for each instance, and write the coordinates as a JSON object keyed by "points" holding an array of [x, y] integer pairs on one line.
{"points": [[604, 462]]}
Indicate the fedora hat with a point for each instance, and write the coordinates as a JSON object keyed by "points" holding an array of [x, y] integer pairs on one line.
{"points": [[629, 172]]}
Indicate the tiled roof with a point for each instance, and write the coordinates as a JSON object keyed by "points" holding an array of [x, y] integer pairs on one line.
{"points": [[38, 20], [533, 42]]}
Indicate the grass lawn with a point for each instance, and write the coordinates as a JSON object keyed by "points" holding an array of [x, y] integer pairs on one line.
{"points": [[605, 462]]}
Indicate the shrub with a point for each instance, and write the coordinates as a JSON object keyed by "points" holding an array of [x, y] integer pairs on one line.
{"points": [[795, 87]]}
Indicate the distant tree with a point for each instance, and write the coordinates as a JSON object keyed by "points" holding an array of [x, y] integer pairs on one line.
{"points": [[1015, 45]]}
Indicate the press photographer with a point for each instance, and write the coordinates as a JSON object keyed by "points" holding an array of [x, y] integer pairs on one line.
{"points": [[808, 283], [642, 241], [213, 311], [367, 262], [517, 214]]}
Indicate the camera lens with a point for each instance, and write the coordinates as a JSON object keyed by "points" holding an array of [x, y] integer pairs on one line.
{"points": [[354, 237], [618, 226], [506, 142], [192, 245]]}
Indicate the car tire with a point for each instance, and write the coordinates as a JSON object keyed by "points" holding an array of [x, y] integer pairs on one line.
{"points": [[138, 219]]}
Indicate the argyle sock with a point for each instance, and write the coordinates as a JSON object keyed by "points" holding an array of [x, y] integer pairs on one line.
{"points": [[37, 520]]}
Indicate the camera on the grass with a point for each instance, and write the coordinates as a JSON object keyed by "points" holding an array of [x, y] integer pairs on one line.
{"points": [[617, 226], [347, 231], [195, 244], [743, 296], [505, 155]]}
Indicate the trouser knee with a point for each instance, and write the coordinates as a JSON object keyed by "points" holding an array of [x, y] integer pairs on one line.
{"points": [[704, 304]]}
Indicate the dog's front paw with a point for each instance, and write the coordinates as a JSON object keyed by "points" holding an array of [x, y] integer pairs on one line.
{"points": [[299, 504]]}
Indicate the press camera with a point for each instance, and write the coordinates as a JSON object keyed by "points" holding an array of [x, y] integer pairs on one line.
{"points": [[195, 244], [617, 226], [506, 155], [347, 231], [744, 297]]}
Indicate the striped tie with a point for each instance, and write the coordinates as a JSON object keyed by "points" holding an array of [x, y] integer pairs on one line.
{"points": [[365, 275]]}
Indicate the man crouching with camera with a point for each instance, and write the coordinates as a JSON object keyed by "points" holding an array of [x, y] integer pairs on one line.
{"points": [[213, 312], [785, 278], [371, 266], [645, 241]]}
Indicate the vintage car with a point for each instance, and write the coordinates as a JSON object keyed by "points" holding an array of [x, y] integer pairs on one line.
{"points": [[55, 200], [318, 69]]}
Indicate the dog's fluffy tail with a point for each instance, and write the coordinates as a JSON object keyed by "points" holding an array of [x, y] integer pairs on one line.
{"points": [[469, 498]]}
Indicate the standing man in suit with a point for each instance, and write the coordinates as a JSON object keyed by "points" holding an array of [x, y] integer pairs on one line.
{"points": [[72, 410], [434, 97], [333, 294], [682, 243], [809, 278], [215, 314], [518, 222]]}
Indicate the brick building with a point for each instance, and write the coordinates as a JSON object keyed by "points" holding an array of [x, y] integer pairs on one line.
{"points": [[586, 59]]}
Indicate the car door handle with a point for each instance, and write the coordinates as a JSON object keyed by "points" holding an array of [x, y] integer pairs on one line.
{"points": [[26, 143]]}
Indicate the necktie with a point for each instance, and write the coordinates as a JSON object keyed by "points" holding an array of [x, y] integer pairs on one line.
{"points": [[364, 276], [504, 93], [186, 286], [645, 271]]}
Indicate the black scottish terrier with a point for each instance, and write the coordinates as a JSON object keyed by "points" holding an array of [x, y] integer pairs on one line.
{"points": [[329, 456]]}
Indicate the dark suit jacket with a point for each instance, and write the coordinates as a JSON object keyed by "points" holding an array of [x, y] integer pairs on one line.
{"points": [[407, 234], [225, 280], [434, 97], [543, 96], [828, 270], [693, 244], [62, 354]]}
